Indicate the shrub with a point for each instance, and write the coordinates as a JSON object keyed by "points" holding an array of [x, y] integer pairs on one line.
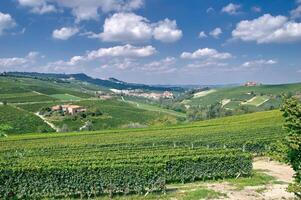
{"points": [[292, 114]]}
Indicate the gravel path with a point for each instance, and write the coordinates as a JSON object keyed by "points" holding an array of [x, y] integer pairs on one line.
{"points": [[281, 172]]}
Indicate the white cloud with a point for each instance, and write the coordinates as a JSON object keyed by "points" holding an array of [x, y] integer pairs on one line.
{"points": [[130, 28], [268, 29], [206, 53], [165, 65], [64, 33], [86, 10], [216, 32], [167, 31], [124, 52], [231, 9], [18, 61], [126, 27], [256, 9], [6, 22], [258, 63], [122, 64], [82, 9], [118, 57], [206, 64], [296, 13], [38, 6], [202, 34]]}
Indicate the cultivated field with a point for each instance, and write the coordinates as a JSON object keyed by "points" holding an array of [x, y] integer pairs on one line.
{"points": [[262, 97], [90, 164], [22, 121]]}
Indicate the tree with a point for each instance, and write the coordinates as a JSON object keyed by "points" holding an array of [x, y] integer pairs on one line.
{"points": [[4, 128], [292, 113]]}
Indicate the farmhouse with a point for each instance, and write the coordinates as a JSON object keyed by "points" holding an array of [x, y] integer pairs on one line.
{"points": [[69, 109]]}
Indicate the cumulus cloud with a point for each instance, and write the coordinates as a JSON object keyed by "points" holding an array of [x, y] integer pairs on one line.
{"points": [[258, 63], [126, 52], [206, 53], [126, 27], [38, 6], [117, 57], [6, 63], [165, 65], [64, 33], [167, 31], [216, 32], [6, 22], [129, 27], [268, 29], [82, 10], [296, 13], [122, 64], [202, 34], [206, 64], [231, 9], [122, 51]]}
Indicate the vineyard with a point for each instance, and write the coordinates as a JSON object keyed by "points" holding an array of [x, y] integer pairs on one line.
{"points": [[115, 114], [22, 121], [90, 164], [25, 97]]}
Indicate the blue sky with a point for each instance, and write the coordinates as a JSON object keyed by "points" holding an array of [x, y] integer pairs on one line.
{"points": [[155, 41]]}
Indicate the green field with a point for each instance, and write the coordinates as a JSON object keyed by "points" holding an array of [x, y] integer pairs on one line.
{"points": [[257, 101], [34, 94], [243, 94], [155, 108], [90, 164], [22, 121], [115, 114], [25, 97], [14, 85], [66, 97]]}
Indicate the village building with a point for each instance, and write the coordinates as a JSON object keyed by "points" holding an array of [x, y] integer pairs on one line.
{"points": [[69, 109], [167, 95], [251, 83]]}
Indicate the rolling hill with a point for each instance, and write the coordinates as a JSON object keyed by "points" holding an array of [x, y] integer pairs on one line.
{"points": [[108, 84], [262, 97], [24, 97]]}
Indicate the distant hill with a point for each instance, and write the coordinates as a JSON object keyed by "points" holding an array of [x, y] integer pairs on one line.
{"points": [[110, 83], [261, 97]]}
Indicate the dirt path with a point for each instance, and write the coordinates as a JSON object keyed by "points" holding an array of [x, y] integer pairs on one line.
{"points": [[274, 191], [47, 122]]}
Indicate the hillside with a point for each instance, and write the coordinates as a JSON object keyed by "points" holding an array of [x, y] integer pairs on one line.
{"points": [[26, 97], [123, 161], [258, 98]]}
